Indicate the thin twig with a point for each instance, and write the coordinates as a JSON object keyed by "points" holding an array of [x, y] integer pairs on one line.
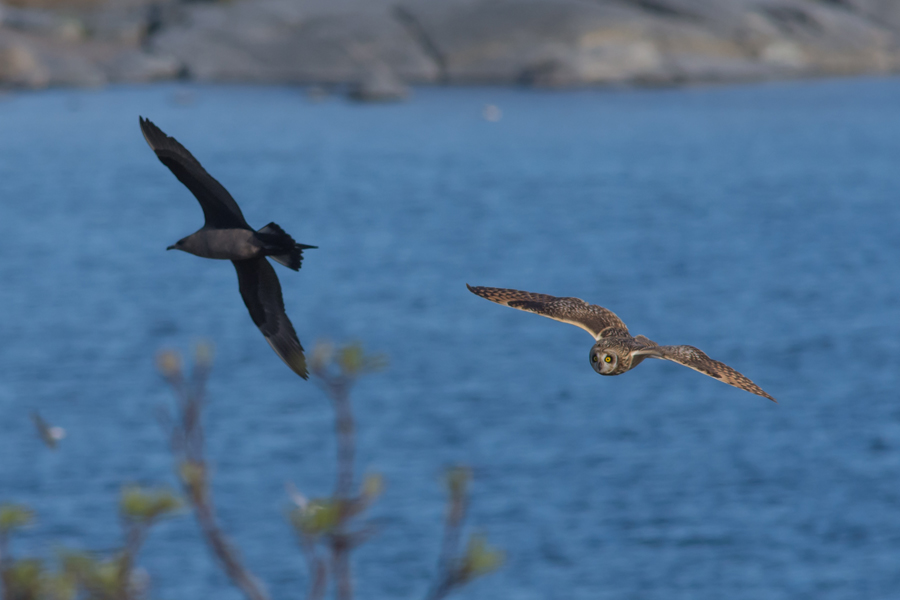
{"points": [[5, 583], [317, 570], [187, 441], [346, 443], [134, 539], [336, 377], [338, 388], [448, 571], [227, 555]]}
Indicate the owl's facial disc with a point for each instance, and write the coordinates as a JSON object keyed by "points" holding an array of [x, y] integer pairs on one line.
{"points": [[604, 361]]}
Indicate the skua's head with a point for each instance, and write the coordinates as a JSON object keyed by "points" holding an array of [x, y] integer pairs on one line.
{"points": [[179, 245]]}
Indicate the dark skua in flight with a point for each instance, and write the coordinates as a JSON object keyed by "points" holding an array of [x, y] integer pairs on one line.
{"points": [[227, 236]]}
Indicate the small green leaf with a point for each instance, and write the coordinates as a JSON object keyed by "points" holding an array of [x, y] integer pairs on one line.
{"points": [[354, 361], [169, 364], [76, 562], [14, 516], [144, 505], [107, 574], [318, 517], [480, 559], [192, 474], [101, 577], [24, 578], [351, 360], [59, 586]]}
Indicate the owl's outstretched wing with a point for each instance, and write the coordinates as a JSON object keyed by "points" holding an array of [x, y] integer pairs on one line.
{"points": [[596, 320], [695, 359]]}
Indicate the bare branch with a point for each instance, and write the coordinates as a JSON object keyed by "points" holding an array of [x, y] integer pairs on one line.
{"points": [[455, 567], [187, 442], [336, 371], [448, 567]]}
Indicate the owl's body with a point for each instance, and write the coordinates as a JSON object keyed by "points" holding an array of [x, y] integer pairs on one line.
{"points": [[626, 349], [615, 350]]}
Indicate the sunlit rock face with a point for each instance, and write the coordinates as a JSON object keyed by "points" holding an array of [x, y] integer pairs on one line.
{"points": [[279, 41], [532, 42], [560, 42]]}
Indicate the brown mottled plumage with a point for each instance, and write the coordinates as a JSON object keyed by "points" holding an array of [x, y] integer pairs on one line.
{"points": [[616, 351]]}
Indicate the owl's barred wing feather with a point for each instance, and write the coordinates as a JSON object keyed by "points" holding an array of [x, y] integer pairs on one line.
{"points": [[695, 359], [596, 320]]}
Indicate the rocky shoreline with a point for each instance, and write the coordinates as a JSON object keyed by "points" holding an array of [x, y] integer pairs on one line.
{"points": [[376, 47]]}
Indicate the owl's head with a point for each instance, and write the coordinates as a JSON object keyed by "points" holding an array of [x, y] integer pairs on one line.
{"points": [[604, 360]]}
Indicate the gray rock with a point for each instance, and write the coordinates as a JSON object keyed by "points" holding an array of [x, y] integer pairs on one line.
{"points": [[71, 69], [124, 25], [542, 41], [33, 61], [565, 42], [884, 12], [814, 39], [20, 66], [42, 22], [133, 66], [377, 46], [378, 85], [279, 41]]}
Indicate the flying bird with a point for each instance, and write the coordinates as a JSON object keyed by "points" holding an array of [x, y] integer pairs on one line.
{"points": [[49, 434], [615, 350], [226, 235]]}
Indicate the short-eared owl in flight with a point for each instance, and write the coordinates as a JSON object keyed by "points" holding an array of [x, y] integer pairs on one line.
{"points": [[615, 350]]}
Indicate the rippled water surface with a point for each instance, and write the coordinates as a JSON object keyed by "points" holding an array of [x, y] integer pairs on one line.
{"points": [[757, 223]]}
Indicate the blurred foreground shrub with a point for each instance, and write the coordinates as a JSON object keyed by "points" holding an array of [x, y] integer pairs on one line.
{"points": [[79, 574], [328, 528]]}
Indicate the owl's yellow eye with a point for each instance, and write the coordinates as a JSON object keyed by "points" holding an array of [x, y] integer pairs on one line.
{"points": [[594, 358], [608, 359]]}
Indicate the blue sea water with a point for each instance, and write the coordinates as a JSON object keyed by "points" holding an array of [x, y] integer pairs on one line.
{"points": [[759, 223]]}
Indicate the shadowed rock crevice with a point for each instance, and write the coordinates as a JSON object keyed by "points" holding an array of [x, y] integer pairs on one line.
{"points": [[664, 9], [791, 20], [420, 35], [884, 13]]}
